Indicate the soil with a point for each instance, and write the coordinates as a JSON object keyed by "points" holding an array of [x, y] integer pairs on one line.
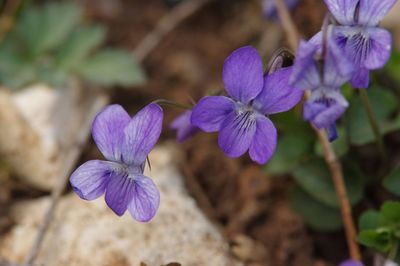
{"points": [[250, 207]]}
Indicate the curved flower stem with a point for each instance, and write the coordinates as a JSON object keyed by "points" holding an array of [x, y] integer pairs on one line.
{"points": [[373, 122], [173, 104], [329, 154]]}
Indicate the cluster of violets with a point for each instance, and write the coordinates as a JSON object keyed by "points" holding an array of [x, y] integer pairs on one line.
{"points": [[344, 51]]}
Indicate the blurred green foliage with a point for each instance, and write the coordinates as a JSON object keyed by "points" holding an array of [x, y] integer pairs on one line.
{"points": [[380, 230], [51, 44]]}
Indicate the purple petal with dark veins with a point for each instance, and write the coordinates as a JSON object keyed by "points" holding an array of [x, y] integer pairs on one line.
{"points": [[209, 113], [108, 130], [183, 126], [277, 95], [237, 132], [322, 114], [119, 192], [343, 10], [373, 11], [141, 134], [264, 142], [146, 199], [243, 74], [89, 181]]}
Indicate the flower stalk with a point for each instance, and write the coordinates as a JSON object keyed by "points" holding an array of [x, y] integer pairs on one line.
{"points": [[329, 154]]}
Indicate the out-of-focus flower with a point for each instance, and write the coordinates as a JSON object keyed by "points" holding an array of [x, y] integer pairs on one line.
{"points": [[269, 8], [323, 74], [125, 142], [351, 263], [241, 118], [183, 126], [367, 45]]}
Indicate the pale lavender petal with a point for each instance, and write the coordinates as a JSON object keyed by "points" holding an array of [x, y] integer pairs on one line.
{"points": [[343, 10], [321, 114], [141, 134], [146, 199], [380, 48], [183, 126], [351, 263], [277, 95], [108, 130], [120, 191], [338, 69], [209, 113], [269, 8], [243, 74], [264, 142], [89, 181], [305, 74], [237, 132], [373, 11], [360, 79]]}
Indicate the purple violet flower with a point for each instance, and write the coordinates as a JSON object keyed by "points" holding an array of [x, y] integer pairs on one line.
{"points": [[183, 126], [367, 45], [324, 77], [269, 9], [241, 118], [351, 263], [125, 142]]}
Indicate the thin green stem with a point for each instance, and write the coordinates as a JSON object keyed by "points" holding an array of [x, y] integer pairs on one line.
{"points": [[373, 121], [173, 104]]}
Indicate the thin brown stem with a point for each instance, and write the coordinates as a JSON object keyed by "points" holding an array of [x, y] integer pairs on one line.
{"points": [[329, 154], [166, 25]]}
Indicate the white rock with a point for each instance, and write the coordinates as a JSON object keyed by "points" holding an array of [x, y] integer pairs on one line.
{"points": [[89, 233]]}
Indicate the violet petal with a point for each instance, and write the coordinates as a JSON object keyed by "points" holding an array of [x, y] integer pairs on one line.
{"points": [[277, 95], [119, 192], [380, 48], [146, 199], [360, 79], [243, 74], [141, 134], [342, 10], [237, 132], [305, 74], [209, 113], [264, 142], [89, 181], [183, 126], [373, 11], [108, 129]]}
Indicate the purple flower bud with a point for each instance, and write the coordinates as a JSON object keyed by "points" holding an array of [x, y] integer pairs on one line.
{"points": [[351, 263], [367, 45], [241, 118], [125, 142], [183, 126]]}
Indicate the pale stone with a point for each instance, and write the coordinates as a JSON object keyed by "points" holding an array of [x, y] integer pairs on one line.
{"points": [[89, 233]]}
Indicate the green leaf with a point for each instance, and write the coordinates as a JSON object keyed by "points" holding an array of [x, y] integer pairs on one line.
{"points": [[314, 177], [370, 219], [291, 150], [340, 145], [317, 215], [383, 104], [392, 182], [45, 28], [393, 66], [81, 42], [390, 210], [380, 239], [112, 67]]}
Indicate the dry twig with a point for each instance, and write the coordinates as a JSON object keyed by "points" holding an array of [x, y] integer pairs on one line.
{"points": [[329, 154]]}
